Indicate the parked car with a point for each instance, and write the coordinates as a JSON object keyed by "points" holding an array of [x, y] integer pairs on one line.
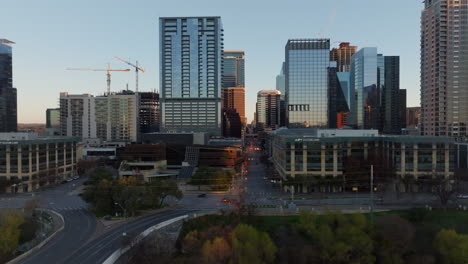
{"points": [[462, 196], [225, 200]]}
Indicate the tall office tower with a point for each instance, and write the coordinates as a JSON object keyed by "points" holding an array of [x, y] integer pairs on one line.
{"points": [[281, 81], [267, 114], [412, 117], [307, 63], [234, 98], [392, 105], [123, 124], [77, 115], [281, 86], [444, 71], [233, 68], [8, 106], [337, 105], [365, 79], [342, 56], [190, 74], [148, 112]]}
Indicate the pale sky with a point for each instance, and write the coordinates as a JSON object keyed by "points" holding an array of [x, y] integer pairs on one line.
{"points": [[52, 35]]}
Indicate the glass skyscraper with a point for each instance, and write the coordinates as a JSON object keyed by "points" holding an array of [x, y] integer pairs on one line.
{"points": [[444, 68], [233, 68], [191, 66], [364, 81], [375, 81], [306, 71], [8, 107]]}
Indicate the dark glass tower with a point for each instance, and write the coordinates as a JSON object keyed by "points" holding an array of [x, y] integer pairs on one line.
{"points": [[233, 68], [8, 107], [391, 103]]}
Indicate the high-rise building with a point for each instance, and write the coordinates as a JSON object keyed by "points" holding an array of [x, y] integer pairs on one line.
{"points": [[234, 98], [77, 115], [444, 69], [342, 56], [121, 124], [412, 117], [392, 104], [375, 80], [148, 112], [8, 104], [337, 105], [233, 68], [281, 86], [191, 63], [267, 114], [110, 118], [364, 78], [306, 71]]}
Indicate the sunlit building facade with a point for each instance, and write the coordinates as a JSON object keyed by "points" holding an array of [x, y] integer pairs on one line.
{"points": [[267, 110], [444, 69], [306, 77], [233, 68], [191, 63]]}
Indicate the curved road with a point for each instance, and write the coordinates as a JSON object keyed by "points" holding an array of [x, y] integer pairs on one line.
{"points": [[99, 249]]}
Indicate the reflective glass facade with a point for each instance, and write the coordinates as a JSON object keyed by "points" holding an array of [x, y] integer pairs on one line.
{"points": [[306, 71], [8, 107], [190, 74], [363, 78], [233, 69]]}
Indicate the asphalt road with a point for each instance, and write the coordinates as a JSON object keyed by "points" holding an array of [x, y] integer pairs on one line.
{"points": [[80, 224], [102, 247]]}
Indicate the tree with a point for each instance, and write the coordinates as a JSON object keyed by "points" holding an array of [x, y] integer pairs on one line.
{"points": [[338, 238], [100, 174], [217, 251], [165, 188], [452, 247], [395, 236], [251, 246], [10, 232]]}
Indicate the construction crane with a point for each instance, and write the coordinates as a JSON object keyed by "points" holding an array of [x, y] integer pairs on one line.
{"points": [[108, 70], [137, 69]]}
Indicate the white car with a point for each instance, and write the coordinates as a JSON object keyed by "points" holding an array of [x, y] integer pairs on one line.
{"points": [[462, 196]]}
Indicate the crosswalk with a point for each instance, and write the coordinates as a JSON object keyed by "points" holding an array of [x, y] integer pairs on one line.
{"points": [[67, 208]]}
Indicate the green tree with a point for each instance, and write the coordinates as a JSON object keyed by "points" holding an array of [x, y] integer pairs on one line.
{"points": [[165, 188], [452, 247], [217, 251], [251, 246], [338, 238], [100, 174], [10, 232]]}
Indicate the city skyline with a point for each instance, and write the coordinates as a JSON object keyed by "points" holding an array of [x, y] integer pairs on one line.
{"points": [[133, 35]]}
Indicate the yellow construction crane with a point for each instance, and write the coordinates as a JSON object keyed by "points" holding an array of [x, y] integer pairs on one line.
{"points": [[137, 69], [108, 70]]}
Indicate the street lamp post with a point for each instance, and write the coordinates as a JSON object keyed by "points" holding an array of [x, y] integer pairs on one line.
{"points": [[125, 217]]}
